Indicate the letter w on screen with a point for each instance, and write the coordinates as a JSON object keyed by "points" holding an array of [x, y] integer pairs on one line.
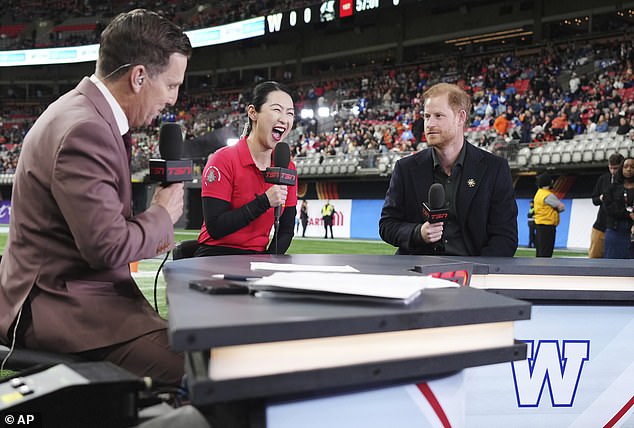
{"points": [[550, 367]]}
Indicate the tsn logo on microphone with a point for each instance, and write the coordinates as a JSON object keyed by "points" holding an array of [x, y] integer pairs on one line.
{"points": [[278, 175], [172, 171], [433, 216]]}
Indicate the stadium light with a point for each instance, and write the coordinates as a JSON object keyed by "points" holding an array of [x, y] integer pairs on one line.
{"points": [[323, 111], [307, 113]]}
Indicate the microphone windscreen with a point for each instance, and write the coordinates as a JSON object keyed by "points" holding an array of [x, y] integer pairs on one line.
{"points": [[281, 155], [171, 141], [436, 196]]}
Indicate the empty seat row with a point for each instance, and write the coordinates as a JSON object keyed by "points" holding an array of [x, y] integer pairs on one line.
{"points": [[335, 165], [566, 152], [574, 152]]}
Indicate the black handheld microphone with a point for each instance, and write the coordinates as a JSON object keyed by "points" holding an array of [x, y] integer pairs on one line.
{"points": [[434, 210], [279, 173], [171, 168]]}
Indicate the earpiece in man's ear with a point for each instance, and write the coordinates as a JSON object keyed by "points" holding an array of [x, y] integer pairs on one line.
{"points": [[139, 80]]}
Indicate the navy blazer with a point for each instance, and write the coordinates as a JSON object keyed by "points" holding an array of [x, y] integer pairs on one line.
{"points": [[485, 204]]}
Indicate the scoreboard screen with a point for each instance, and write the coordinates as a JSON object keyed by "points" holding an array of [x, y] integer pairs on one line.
{"points": [[325, 12], [363, 5]]}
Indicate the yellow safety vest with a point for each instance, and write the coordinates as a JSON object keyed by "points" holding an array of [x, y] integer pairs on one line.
{"points": [[544, 213], [326, 210]]}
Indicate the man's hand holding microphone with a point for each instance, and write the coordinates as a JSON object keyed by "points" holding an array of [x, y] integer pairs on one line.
{"points": [[431, 232], [435, 213], [171, 171], [171, 198]]}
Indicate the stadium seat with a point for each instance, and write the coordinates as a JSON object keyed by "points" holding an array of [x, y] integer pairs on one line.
{"points": [[568, 149], [352, 166], [523, 156], [299, 165], [305, 166], [313, 167], [573, 152], [600, 151], [384, 163], [536, 155], [336, 165], [328, 165], [626, 148], [587, 154], [556, 152], [612, 147], [547, 153]]}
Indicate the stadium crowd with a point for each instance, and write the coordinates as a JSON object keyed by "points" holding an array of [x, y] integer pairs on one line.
{"points": [[556, 91], [70, 22]]}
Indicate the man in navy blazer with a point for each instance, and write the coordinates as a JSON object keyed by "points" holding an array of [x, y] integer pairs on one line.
{"points": [[479, 193]]}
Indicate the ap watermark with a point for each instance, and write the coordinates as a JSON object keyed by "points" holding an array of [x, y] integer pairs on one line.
{"points": [[21, 419]]}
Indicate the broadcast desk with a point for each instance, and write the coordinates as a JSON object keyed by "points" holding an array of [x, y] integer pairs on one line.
{"points": [[580, 353], [578, 280], [301, 348]]}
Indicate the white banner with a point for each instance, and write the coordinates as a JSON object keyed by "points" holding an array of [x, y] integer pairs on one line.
{"points": [[315, 228], [582, 216]]}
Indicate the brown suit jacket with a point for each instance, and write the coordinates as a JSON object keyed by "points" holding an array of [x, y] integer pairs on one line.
{"points": [[72, 233]]}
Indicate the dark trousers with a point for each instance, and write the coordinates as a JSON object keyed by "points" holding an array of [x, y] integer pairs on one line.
{"points": [[148, 355], [544, 240], [328, 224], [618, 244]]}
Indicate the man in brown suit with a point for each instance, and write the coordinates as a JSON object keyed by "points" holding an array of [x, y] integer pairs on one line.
{"points": [[65, 282]]}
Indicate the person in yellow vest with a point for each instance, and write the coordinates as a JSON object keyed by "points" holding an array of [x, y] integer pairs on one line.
{"points": [[326, 214], [547, 209]]}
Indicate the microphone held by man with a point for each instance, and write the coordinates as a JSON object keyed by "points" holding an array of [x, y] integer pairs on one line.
{"points": [[171, 168], [436, 214]]}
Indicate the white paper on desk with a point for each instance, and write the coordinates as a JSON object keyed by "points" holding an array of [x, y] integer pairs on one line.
{"points": [[289, 267], [398, 287]]}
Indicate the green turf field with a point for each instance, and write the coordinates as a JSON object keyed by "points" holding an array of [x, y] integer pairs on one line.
{"points": [[357, 246]]}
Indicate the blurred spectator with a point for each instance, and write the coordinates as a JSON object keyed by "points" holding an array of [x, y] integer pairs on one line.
{"points": [[619, 206], [602, 185]]}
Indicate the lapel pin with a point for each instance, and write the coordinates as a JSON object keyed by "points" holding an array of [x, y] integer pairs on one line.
{"points": [[471, 182]]}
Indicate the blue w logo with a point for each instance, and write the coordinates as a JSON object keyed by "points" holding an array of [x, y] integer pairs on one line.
{"points": [[550, 366]]}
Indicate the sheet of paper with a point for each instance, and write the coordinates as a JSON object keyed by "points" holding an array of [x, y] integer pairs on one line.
{"points": [[289, 267], [383, 286]]}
